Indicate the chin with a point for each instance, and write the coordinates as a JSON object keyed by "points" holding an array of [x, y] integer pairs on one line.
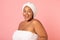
{"points": [[26, 19]]}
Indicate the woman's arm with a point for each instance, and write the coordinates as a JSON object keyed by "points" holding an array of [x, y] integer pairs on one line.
{"points": [[39, 29]]}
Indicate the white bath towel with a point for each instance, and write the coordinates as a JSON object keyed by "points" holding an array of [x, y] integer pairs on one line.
{"points": [[24, 35]]}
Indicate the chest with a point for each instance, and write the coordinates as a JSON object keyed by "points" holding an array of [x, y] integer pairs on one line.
{"points": [[27, 26]]}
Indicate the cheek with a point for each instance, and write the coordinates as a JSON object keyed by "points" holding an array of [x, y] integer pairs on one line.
{"points": [[30, 14], [24, 14]]}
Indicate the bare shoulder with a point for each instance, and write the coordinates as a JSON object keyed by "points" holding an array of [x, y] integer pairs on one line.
{"points": [[20, 24], [37, 22]]}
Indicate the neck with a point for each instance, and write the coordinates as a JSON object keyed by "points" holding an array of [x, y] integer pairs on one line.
{"points": [[29, 20]]}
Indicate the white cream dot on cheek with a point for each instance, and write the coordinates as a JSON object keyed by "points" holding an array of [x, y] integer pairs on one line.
{"points": [[29, 13]]}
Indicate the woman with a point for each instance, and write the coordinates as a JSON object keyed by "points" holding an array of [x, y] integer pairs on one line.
{"points": [[30, 28]]}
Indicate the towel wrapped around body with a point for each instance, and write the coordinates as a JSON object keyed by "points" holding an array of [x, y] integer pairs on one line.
{"points": [[24, 35]]}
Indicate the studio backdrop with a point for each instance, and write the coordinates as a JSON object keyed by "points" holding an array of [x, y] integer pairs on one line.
{"points": [[48, 13]]}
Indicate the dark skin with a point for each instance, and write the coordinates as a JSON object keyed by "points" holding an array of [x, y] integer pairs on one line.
{"points": [[32, 25]]}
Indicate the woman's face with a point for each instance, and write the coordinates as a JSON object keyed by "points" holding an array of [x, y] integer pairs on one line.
{"points": [[27, 13]]}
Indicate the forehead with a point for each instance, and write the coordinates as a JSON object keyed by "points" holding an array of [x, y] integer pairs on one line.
{"points": [[27, 8]]}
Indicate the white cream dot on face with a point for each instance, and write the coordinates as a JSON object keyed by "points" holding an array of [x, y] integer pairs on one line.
{"points": [[29, 13]]}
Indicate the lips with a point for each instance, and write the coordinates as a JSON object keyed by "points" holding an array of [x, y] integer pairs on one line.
{"points": [[26, 16]]}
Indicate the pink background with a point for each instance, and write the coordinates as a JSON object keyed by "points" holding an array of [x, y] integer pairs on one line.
{"points": [[11, 16]]}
